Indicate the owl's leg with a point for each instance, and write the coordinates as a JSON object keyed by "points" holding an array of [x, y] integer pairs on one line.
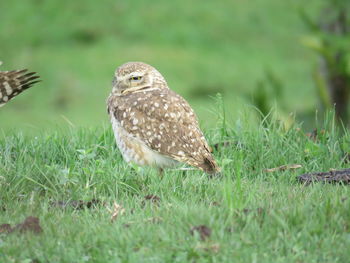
{"points": [[160, 172]]}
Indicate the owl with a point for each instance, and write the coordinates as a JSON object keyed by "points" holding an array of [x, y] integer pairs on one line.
{"points": [[154, 126], [14, 82]]}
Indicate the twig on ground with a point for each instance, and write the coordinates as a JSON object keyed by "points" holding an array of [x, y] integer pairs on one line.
{"points": [[283, 168]]}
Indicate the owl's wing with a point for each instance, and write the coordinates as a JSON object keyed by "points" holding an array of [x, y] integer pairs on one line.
{"points": [[166, 123], [14, 82]]}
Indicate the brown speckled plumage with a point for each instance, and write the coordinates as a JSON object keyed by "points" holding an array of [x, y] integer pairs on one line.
{"points": [[147, 115], [15, 82]]}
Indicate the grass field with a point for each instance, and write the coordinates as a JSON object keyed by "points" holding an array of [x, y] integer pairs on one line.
{"points": [[201, 48], [254, 216]]}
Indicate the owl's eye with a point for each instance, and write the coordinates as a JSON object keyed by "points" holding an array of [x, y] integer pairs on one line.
{"points": [[137, 78]]}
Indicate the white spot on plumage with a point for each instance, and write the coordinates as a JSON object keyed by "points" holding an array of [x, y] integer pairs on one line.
{"points": [[8, 88]]}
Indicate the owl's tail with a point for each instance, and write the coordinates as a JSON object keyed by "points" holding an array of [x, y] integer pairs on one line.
{"points": [[210, 167]]}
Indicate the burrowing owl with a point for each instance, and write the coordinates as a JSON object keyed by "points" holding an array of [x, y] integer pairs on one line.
{"points": [[152, 124], [14, 82]]}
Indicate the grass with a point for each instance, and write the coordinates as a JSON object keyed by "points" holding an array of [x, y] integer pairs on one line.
{"points": [[254, 216]]}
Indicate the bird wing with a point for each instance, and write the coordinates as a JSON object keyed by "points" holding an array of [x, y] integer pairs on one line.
{"points": [[166, 123], [14, 82]]}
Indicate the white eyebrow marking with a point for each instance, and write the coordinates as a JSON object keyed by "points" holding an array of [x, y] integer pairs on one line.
{"points": [[132, 74], [121, 78]]}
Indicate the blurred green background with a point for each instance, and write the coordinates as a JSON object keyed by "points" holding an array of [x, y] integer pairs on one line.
{"points": [[201, 47]]}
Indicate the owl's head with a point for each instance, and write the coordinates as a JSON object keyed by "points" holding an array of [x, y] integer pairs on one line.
{"points": [[136, 76]]}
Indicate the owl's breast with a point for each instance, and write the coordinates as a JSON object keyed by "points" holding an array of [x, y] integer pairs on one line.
{"points": [[136, 151]]}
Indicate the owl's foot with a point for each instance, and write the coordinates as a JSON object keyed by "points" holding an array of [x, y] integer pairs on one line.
{"points": [[161, 172]]}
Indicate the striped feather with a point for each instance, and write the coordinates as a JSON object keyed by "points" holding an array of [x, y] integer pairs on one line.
{"points": [[15, 82]]}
